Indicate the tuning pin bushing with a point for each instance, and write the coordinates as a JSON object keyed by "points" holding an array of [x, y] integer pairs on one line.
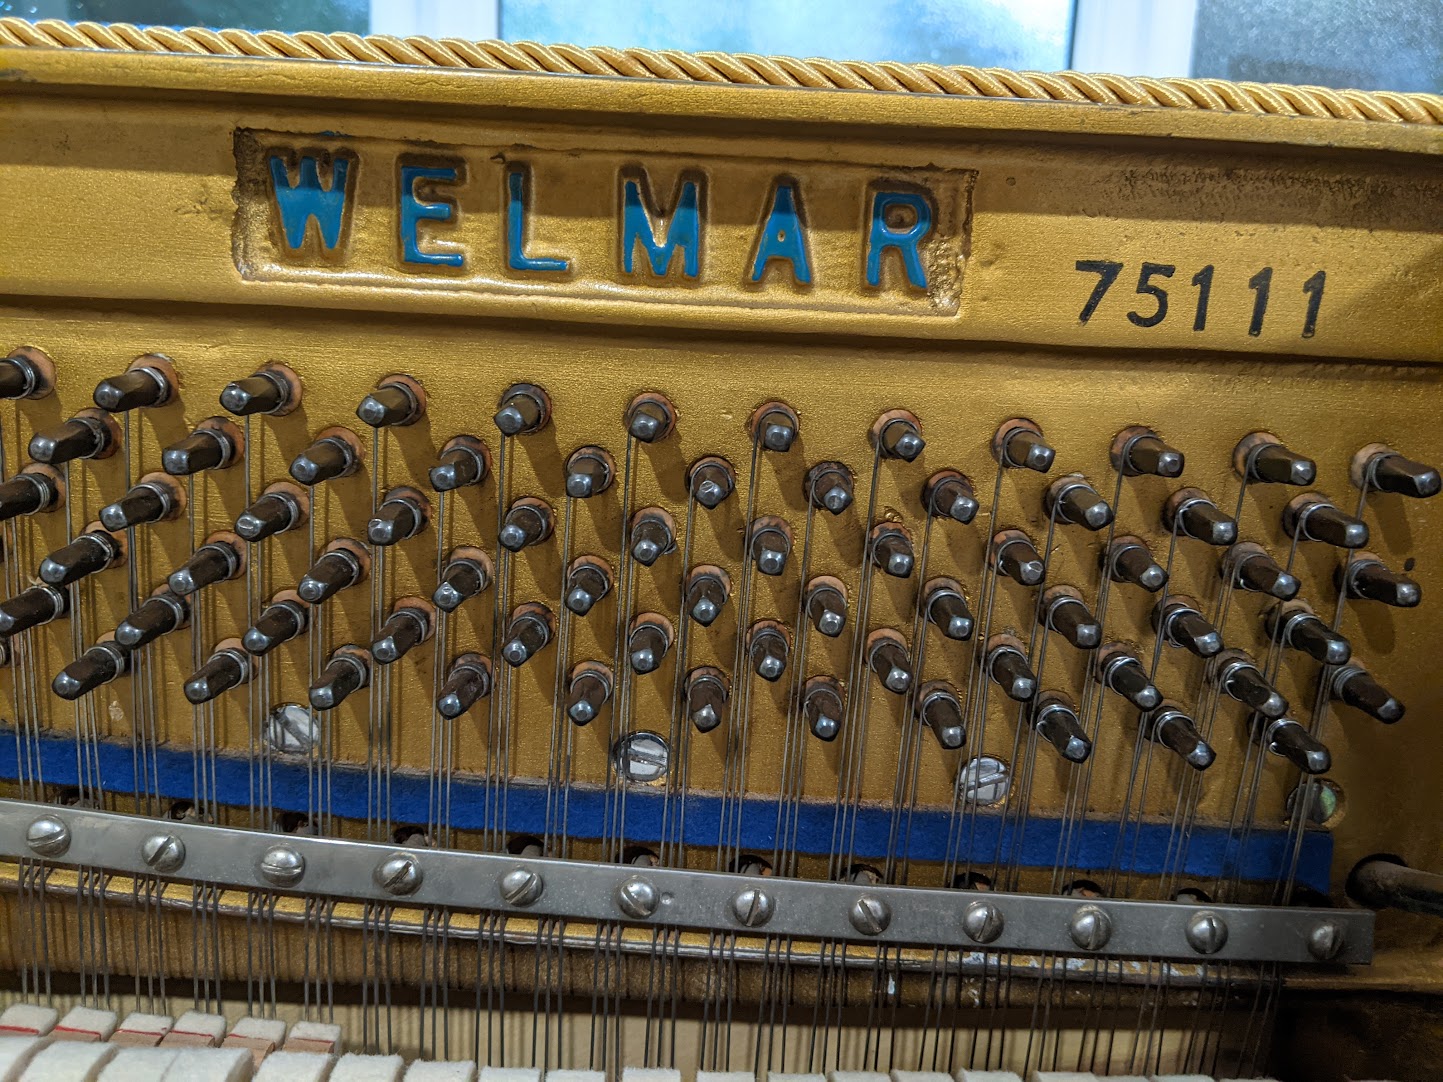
{"points": [[1257, 572], [587, 691], [769, 542], [1295, 625], [219, 559], [648, 642], [1239, 677], [34, 490], [465, 460], [396, 402], [1140, 451], [335, 453], [467, 682], [710, 481], [1129, 560], [1007, 667], [774, 425], [939, 708], [26, 373], [1179, 622], [148, 382], [1188, 512], [281, 621], [89, 434], [94, 550], [523, 409], [411, 623], [157, 497], [216, 444], [652, 535], [650, 417], [467, 573], [829, 487], [898, 435], [888, 660], [948, 494], [587, 582], [1177, 732], [1074, 502], [707, 589], [102, 663], [1380, 467], [891, 549], [823, 707], [347, 671], [528, 522], [704, 695], [1013, 555], [1018, 444], [825, 602], [342, 564], [527, 633], [768, 649], [229, 667], [279, 509], [33, 607], [1313, 517], [589, 472], [1356, 686], [946, 609], [403, 513], [1367, 578], [274, 389], [158, 615], [1293, 742], [1120, 670], [1261, 458]]}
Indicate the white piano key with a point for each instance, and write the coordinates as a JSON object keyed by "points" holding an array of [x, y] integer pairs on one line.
{"points": [[68, 1061], [138, 1064], [195, 1029], [440, 1070], [357, 1068], [16, 1053], [295, 1067], [85, 1024], [142, 1030], [210, 1065], [27, 1020]]}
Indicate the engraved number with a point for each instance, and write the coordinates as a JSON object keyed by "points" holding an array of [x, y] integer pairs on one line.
{"points": [[1107, 273]]}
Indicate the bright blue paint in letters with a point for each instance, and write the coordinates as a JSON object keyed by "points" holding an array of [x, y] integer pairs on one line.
{"points": [[905, 241], [782, 237], [300, 202], [413, 211], [683, 231], [516, 257]]}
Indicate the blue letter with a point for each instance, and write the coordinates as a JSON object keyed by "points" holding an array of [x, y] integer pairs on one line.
{"points": [[413, 211], [684, 231], [516, 257], [299, 203], [782, 237], [905, 241]]}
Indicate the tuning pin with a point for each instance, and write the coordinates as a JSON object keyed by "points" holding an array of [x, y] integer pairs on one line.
{"points": [[828, 487], [140, 386], [522, 410], [214, 445], [589, 473], [465, 460], [1015, 557], [402, 515], [588, 581], [1386, 470], [1190, 513], [650, 417], [86, 435], [710, 480], [1263, 459], [826, 606], [102, 663], [587, 692], [32, 607], [467, 681], [1139, 451], [1312, 517], [95, 550], [281, 621], [527, 634], [1129, 560], [335, 453], [940, 710], [705, 696], [1054, 717], [1120, 670], [899, 437], [158, 615], [347, 670], [768, 650], [892, 550], [528, 522], [1257, 572], [1065, 613], [215, 561], [273, 389], [769, 542], [887, 658], [410, 624], [1180, 623], [775, 424], [466, 574], [1019, 444], [1356, 686], [1293, 742], [279, 509], [156, 497], [1175, 731], [229, 667], [648, 642], [26, 373], [343, 563], [1240, 678], [707, 589], [948, 494], [1367, 578], [822, 707], [33, 490], [652, 535], [1006, 665], [1075, 502], [397, 401], [1294, 624], [946, 607]]}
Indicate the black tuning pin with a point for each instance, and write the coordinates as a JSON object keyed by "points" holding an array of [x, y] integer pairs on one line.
{"points": [[527, 634], [1076, 503], [1179, 622], [342, 564], [281, 621], [1367, 578], [229, 667], [940, 710], [33, 607], [466, 574], [102, 663], [1313, 517], [589, 472], [1286, 737], [403, 513], [155, 498], [587, 691], [707, 589], [1007, 667], [1054, 717], [768, 650], [1190, 513], [1064, 612], [1018, 444], [888, 660], [1121, 671], [1129, 560], [215, 444], [465, 461], [648, 642], [822, 707], [335, 453], [94, 550], [948, 494], [899, 435], [1015, 557], [158, 615], [650, 417], [587, 582], [1386, 470], [528, 522], [1139, 451], [1257, 572], [273, 389], [892, 550], [1295, 625], [396, 402], [710, 480], [652, 535], [139, 387], [26, 373], [33, 490], [1177, 732], [775, 425], [523, 409], [1262, 459], [769, 542], [347, 671], [1240, 678], [829, 487], [825, 603], [1355, 686], [219, 559], [89, 434], [467, 681], [280, 508], [946, 608], [705, 695], [411, 623]]}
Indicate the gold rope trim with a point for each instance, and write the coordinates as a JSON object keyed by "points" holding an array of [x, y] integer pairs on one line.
{"points": [[1216, 95]]}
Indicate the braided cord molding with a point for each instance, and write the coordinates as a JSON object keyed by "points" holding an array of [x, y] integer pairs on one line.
{"points": [[1217, 95]]}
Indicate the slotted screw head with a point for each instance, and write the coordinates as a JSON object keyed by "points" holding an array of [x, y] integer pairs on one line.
{"points": [[1326, 940], [637, 897], [1090, 928], [870, 915], [163, 853], [399, 874], [982, 921], [1206, 932], [282, 866], [753, 907], [521, 886], [48, 836]]}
